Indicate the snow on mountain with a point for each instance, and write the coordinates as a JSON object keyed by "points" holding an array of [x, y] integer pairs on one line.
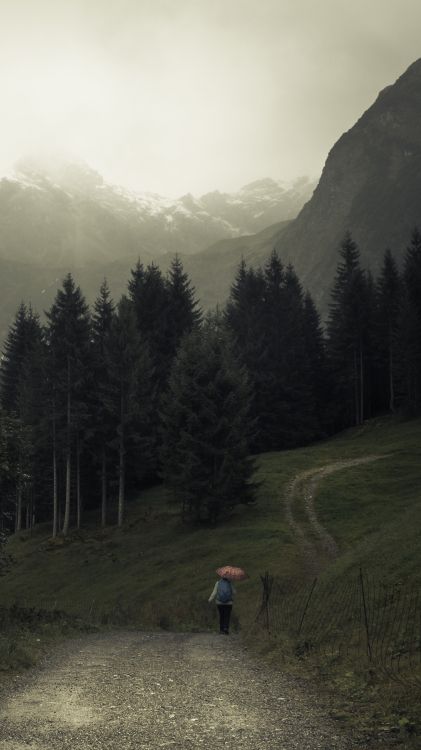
{"points": [[66, 212]]}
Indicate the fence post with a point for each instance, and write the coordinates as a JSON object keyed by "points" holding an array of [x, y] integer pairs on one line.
{"points": [[306, 606], [367, 630]]}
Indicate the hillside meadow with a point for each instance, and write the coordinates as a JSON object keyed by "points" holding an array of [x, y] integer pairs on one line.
{"points": [[157, 572]]}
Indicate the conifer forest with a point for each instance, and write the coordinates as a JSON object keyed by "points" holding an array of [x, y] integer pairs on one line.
{"points": [[97, 404]]}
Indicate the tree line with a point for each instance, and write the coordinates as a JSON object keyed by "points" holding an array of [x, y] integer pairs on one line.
{"points": [[98, 403]]}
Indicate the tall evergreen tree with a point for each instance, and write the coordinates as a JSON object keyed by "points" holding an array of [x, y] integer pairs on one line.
{"points": [[69, 338], [206, 424], [22, 395], [183, 312], [388, 308], [265, 312], [130, 396], [23, 334], [320, 376], [11, 468], [410, 326], [349, 326], [32, 409], [149, 294], [102, 319]]}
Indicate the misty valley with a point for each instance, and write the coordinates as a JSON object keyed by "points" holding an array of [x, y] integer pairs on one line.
{"points": [[226, 380]]}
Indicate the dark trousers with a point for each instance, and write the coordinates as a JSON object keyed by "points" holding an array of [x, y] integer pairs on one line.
{"points": [[224, 617]]}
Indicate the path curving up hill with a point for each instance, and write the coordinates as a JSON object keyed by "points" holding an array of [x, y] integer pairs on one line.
{"points": [[317, 545], [140, 691]]}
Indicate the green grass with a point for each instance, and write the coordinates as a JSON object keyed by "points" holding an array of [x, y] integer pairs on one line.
{"points": [[155, 572], [156, 566]]}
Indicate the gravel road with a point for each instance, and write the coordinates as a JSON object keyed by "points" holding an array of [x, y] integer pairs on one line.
{"points": [[132, 690]]}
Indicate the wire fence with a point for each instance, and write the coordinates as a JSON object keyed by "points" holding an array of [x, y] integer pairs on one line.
{"points": [[363, 620]]}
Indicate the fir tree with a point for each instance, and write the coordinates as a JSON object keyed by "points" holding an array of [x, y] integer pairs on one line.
{"points": [[206, 426], [348, 329], [69, 338], [32, 409], [22, 380], [102, 319], [149, 294], [183, 312], [320, 377], [387, 323], [23, 334], [410, 325], [130, 396]]}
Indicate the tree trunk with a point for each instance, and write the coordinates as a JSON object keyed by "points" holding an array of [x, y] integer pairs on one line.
{"points": [[55, 497], [104, 488], [68, 457], [78, 493], [391, 383], [121, 466], [18, 519], [32, 521], [361, 385], [356, 399]]}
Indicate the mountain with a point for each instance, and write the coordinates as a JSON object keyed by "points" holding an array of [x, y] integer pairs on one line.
{"points": [[370, 185], [65, 217], [211, 273], [67, 214]]}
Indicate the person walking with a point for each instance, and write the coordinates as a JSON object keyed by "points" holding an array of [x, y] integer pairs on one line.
{"points": [[223, 593]]}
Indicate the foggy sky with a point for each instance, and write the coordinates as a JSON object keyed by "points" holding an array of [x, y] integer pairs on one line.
{"points": [[179, 96]]}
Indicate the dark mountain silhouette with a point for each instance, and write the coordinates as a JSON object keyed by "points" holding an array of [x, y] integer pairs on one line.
{"points": [[370, 185]]}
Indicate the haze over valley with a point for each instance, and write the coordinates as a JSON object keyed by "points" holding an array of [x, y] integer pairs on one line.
{"points": [[63, 216]]}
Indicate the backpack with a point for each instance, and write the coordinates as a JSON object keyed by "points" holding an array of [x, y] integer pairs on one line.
{"points": [[224, 592]]}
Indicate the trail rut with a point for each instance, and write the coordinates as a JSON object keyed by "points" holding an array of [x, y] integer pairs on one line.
{"points": [[317, 545]]}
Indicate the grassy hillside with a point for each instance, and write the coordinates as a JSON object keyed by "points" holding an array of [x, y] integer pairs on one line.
{"points": [[160, 572], [155, 572]]}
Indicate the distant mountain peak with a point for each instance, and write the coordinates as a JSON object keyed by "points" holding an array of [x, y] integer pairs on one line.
{"points": [[266, 183], [73, 176]]}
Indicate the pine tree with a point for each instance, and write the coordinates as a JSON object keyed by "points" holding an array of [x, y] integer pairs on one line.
{"points": [[32, 408], [149, 294], [319, 374], [388, 307], [23, 334], [348, 330], [130, 396], [69, 339], [22, 378], [183, 312], [206, 426], [10, 478], [410, 326], [265, 312], [102, 319]]}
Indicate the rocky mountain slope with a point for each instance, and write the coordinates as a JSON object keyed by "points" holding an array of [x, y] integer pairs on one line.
{"points": [[370, 185]]}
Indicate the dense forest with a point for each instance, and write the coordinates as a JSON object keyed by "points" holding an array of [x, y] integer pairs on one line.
{"points": [[98, 403]]}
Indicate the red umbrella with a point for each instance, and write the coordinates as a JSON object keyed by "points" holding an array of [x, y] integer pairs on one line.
{"points": [[233, 574]]}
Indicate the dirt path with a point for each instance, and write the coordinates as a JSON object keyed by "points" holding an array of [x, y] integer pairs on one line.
{"points": [[134, 691], [318, 546]]}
